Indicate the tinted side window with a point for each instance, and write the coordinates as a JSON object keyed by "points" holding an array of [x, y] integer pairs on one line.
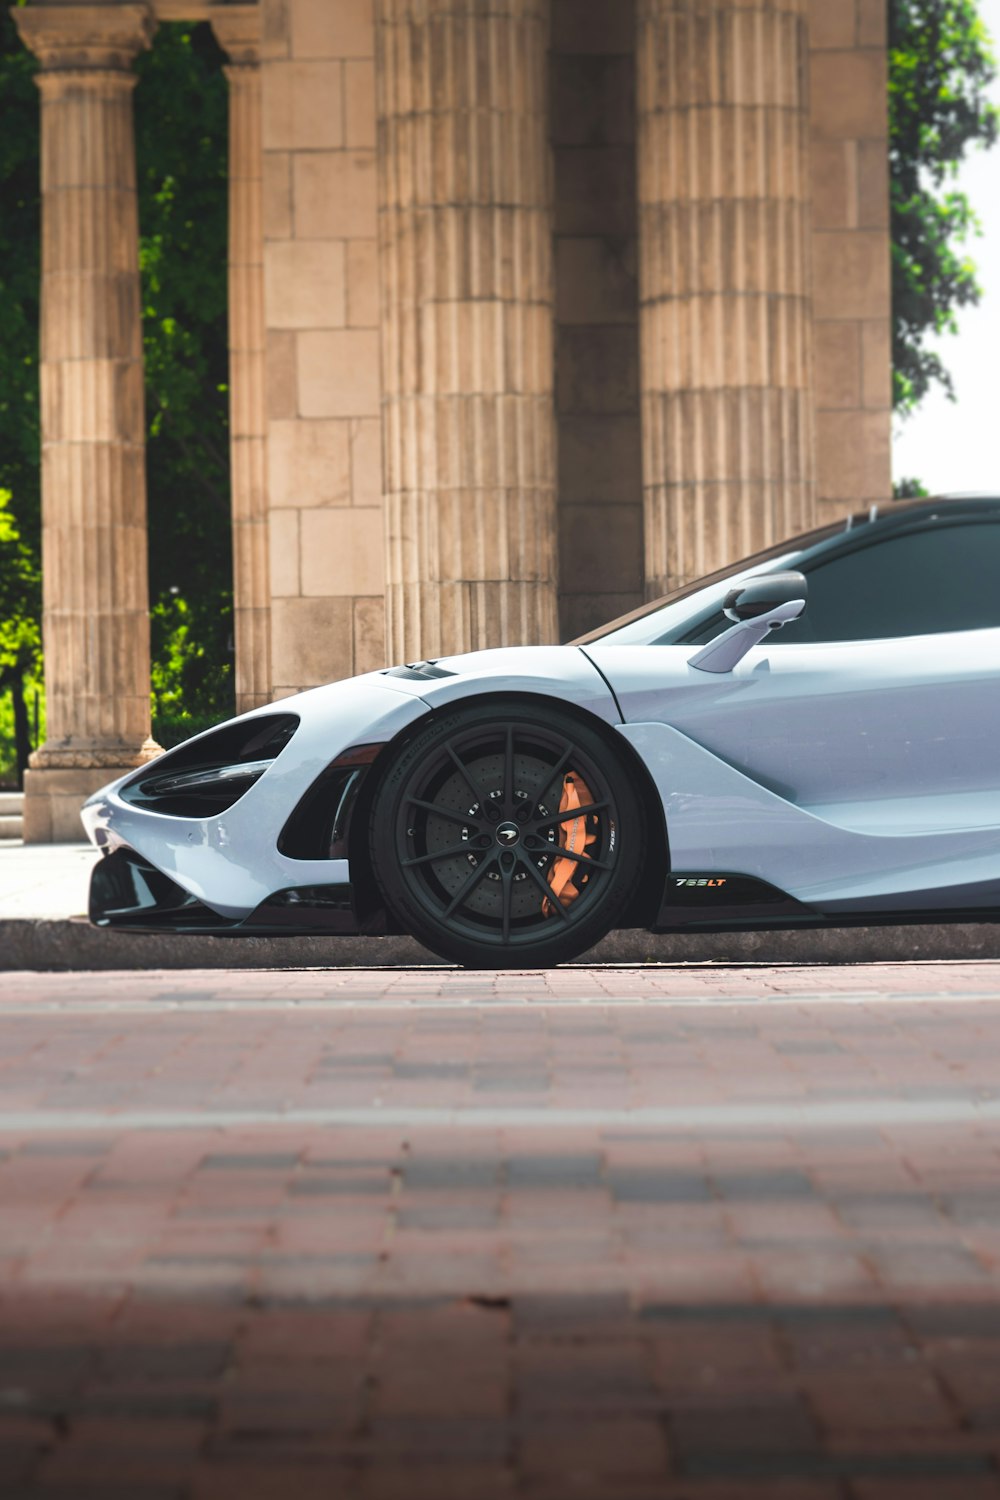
{"points": [[942, 578]]}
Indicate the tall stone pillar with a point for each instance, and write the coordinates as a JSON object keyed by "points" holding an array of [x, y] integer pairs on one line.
{"points": [[724, 280], [465, 245], [95, 586], [237, 28]]}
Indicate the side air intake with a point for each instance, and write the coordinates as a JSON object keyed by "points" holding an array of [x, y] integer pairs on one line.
{"points": [[207, 775]]}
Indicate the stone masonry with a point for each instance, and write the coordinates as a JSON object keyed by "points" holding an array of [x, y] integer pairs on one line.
{"points": [[850, 255], [538, 308], [724, 281], [96, 622], [465, 221], [323, 381]]}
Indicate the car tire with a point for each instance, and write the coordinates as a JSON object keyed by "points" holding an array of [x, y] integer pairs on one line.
{"points": [[466, 843]]}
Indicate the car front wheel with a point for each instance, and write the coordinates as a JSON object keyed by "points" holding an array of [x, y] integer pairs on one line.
{"points": [[507, 838]]}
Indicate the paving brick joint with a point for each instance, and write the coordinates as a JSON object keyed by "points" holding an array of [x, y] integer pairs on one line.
{"points": [[625, 1233]]}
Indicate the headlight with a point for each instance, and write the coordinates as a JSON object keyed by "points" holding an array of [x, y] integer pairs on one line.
{"points": [[207, 775]]}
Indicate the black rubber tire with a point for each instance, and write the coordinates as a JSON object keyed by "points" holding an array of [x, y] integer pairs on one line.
{"points": [[464, 830]]}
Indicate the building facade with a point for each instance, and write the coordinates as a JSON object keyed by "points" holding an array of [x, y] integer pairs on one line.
{"points": [[538, 308]]}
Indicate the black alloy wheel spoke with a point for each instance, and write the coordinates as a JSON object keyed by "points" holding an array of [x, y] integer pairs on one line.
{"points": [[466, 775], [558, 769], [507, 876], [469, 886], [508, 771], [566, 817], [427, 859], [543, 884], [444, 812]]}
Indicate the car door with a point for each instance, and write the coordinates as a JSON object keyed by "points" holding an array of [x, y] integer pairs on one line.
{"points": [[864, 767]]}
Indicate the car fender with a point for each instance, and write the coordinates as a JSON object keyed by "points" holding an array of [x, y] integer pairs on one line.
{"points": [[564, 674]]}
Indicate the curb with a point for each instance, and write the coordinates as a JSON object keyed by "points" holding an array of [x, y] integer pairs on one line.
{"points": [[71, 943]]}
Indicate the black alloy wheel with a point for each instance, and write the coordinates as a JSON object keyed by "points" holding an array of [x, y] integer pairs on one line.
{"points": [[507, 837]]}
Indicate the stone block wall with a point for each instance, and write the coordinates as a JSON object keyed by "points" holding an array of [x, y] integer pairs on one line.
{"points": [[323, 381], [325, 396], [597, 312], [850, 249]]}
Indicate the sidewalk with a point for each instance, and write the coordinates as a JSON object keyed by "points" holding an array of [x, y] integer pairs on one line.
{"points": [[43, 926], [590, 1234], [44, 881]]}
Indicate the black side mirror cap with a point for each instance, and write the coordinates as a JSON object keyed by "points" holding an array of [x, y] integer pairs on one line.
{"points": [[758, 596]]}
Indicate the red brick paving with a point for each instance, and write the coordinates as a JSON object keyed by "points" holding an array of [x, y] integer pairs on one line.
{"points": [[691, 1234]]}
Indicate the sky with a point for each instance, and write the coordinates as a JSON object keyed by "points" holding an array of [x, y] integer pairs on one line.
{"points": [[956, 445]]}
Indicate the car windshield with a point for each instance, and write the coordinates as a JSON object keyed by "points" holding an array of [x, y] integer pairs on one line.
{"points": [[668, 616]]}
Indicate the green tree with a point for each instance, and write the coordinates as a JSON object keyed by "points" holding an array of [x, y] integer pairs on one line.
{"points": [[940, 67], [20, 247], [180, 115], [20, 645], [20, 575]]}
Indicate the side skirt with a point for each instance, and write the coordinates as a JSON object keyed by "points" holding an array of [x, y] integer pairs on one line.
{"points": [[696, 902]]}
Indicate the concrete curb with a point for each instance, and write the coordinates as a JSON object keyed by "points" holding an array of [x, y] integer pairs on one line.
{"points": [[71, 943]]}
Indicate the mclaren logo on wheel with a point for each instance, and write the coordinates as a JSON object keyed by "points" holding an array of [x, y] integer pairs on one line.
{"points": [[508, 834]]}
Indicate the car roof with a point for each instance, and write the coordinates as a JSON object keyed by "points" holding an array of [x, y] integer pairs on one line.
{"points": [[885, 515], [957, 500]]}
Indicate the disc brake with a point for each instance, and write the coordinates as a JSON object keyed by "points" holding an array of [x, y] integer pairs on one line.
{"points": [[575, 834]]}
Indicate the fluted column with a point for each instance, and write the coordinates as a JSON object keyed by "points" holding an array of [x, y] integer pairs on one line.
{"points": [[237, 28], [95, 586], [465, 245], [724, 280]]}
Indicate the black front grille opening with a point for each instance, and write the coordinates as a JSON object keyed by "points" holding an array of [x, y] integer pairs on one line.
{"points": [[127, 891], [206, 776], [320, 824]]}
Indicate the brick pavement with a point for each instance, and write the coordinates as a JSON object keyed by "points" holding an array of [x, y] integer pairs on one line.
{"points": [[683, 1233]]}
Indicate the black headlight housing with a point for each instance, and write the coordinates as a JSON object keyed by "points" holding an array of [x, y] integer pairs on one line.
{"points": [[206, 776]]}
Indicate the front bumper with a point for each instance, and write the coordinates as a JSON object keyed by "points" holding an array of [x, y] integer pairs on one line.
{"points": [[126, 891], [222, 870]]}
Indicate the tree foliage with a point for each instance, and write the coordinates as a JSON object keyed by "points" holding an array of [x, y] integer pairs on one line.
{"points": [[180, 113], [20, 645], [20, 248], [940, 68], [20, 573], [19, 586]]}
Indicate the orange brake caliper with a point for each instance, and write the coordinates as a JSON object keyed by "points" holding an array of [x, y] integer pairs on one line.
{"points": [[573, 835]]}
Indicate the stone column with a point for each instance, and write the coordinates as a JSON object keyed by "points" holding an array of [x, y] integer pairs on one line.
{"points": [[851, 256], [724, 280], [95, 585], [465, 245], [237, 28]]}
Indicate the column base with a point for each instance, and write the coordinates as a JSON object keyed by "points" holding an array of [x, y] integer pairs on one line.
{"points": [[53, 799]]}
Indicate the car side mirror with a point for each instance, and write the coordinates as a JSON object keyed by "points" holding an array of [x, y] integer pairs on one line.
{"points": [[758, 596], [759, 605]]}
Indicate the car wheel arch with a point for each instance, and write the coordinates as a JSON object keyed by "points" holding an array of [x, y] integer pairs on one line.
{"points": [[646, 901]]}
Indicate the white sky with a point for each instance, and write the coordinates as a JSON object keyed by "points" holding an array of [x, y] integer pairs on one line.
{"points": [[956, 445]]}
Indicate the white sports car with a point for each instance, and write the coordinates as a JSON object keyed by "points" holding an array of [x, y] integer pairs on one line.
{"points": [[810, 737]]}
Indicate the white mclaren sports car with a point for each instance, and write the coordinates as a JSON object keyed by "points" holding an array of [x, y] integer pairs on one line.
{"points": [[810, 737]]}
